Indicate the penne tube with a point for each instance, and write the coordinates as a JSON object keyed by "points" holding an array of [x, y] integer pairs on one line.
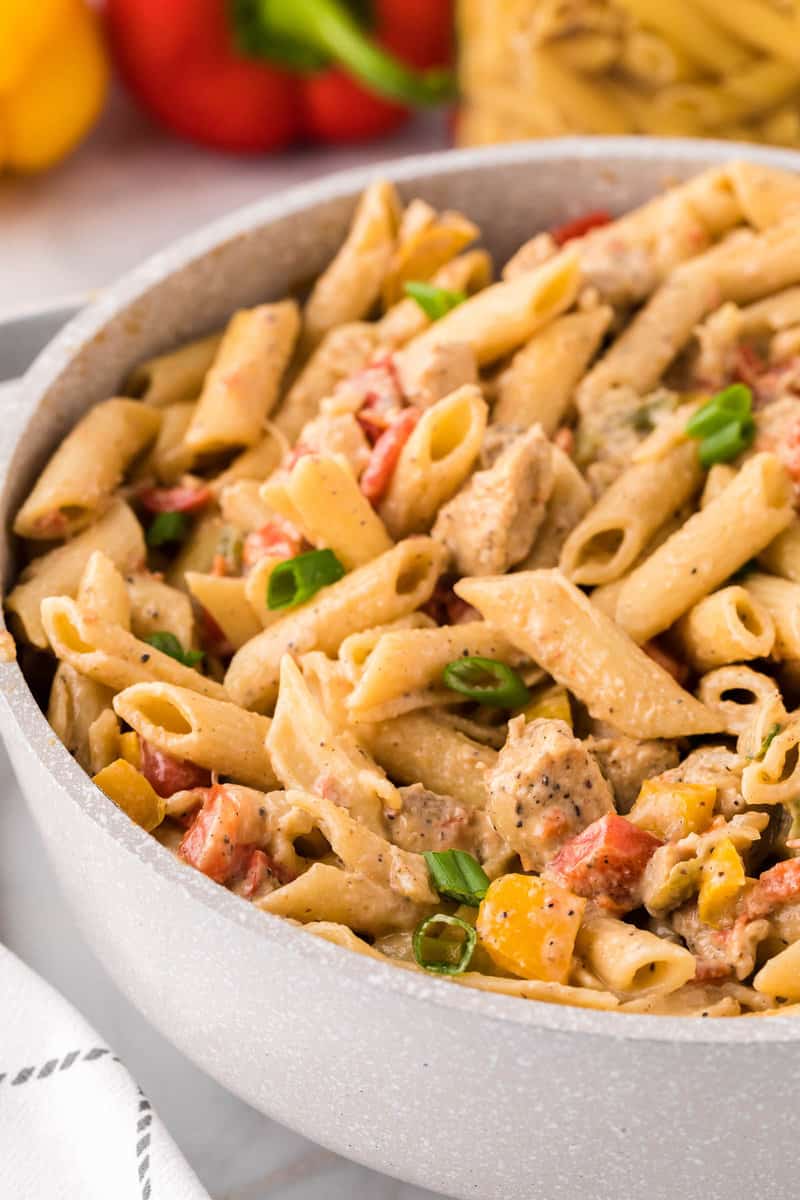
{"points": [[707, 549], [768, 196], [504, 316], [331, 510], [346, 898], [112, 656], [735, 694], [780, 975], [418, 748], [175, 376], [469, 273], [256, 587], [435, 461], [257, 462], [356, 649], [310, 753], [102, 591], [773, 776], [242, 505], [615, 531], [241, 388], [104, 738], [700, 36], [198, 551], [391, 586], [782, 555], [426, 240], [539, 383], [762, 26], [404, 670], [58, 572], [653, 60], [781, 599], [585, 104], [589, 52], [211, 733], [75, 704], [170, 457], [553, 622], [349, 287], [632, 961], [77, 484], [569, 501], [342, 352], [729, 626], [224, 598], [158, 608], [717, 479]]}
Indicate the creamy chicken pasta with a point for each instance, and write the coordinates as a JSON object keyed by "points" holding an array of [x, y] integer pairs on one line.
{"points": [[457, 620]]}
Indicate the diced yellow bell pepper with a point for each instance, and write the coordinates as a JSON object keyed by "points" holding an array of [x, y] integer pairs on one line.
{"points": [[673, 810], [528, 926], [723, 879], [551, 702], [131, 792], [53, 79], [130, 750]]}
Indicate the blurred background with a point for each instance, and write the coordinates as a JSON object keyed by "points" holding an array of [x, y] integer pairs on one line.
{"points": [[126, 122]]}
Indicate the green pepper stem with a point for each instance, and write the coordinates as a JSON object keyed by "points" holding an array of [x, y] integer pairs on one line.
{"points": [[327, 26]]}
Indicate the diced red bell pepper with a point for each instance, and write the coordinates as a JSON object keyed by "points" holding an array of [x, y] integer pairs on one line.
{"points": [[169, 775], [383, 402], [605, 862], [775, 887], [256, 872], [578, 226], [749, 366], [175, 499], [276, 539], [385, 454], [211, 844]]}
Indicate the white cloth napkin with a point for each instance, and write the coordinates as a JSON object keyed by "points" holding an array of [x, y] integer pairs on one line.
{"points": [[73, 1124]]}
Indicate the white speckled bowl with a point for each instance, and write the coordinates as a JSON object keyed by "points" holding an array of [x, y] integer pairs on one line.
{"points": [[468, 1094]]}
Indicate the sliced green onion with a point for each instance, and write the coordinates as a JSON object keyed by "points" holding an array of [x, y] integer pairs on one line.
{"points": [[167, 527], [439, 955], [456, 874], [772, 733], [734, 403], [435, 302], [298, 579], [167, 643], [486, 680], [727, 443]]}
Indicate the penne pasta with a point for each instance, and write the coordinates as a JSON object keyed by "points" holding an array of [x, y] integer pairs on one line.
{"points": [[78, 482], [712, 544], [112, 656], [736, 693], [241, 387], [390, 586], [176, 376], [211, 733], [729, 626], [552, 621], [632, 961]]}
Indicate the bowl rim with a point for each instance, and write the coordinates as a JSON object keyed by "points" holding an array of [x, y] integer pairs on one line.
{"points": [[22, 716]]}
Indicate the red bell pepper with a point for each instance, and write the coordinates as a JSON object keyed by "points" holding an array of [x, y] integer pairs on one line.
{"points": [[255, 75]]}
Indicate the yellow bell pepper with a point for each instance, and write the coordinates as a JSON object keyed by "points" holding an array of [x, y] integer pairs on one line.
{"points": [[551, 701], [131, 792], [528, 926], [53, 80], [130, 750], [673, 810], [723, 880]]}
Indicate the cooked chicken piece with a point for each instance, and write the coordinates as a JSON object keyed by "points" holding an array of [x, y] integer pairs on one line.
{"points": [[491, 523], [626, 762], [545, 788], [496, 440], [718, 767], [437, 372], [339, 434], [429, 821], [340, 354], [720, 952]]}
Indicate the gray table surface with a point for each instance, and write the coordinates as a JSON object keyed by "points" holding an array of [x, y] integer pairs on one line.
{"points": [[128, 192]]}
